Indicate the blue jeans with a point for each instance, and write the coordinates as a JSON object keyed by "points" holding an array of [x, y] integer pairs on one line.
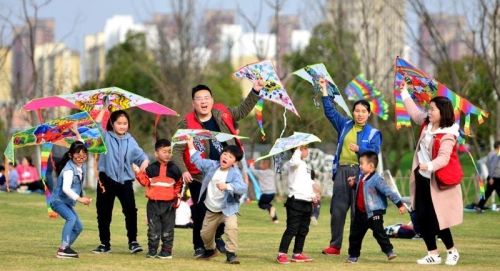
{"points": [[73, 227]]}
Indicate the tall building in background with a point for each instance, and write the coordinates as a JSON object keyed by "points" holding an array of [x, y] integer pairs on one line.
{"points": [[22, 69], [380, 32], [452, 33], [212, 24], [5, 76], [94, 58]]}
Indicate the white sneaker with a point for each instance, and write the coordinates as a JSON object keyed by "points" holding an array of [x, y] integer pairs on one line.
{"points": [[452, 257], [430, 259]]}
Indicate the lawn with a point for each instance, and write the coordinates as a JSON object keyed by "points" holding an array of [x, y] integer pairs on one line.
{"points": [[29, 239]]}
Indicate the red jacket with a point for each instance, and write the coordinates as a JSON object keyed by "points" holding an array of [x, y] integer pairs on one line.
{"points": [[162, 181]]}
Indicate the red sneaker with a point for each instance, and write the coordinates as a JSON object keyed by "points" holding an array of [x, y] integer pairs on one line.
{"points": [[282, 258], [301, 258], [331, 250]]}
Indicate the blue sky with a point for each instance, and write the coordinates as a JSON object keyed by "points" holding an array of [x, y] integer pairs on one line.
{"points": [[75, 18]]}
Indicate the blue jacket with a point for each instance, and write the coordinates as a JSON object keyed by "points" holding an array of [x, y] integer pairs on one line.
{"points": [[122, 152], [58, 194], [368, 139], [231, 203], [375, 192]]}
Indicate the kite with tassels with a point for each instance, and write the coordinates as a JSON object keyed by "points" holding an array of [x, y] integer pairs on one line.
{"points": [[273, 90], [92, 101], [361, 88], [422, 89], [312, 74], [57, 132]]}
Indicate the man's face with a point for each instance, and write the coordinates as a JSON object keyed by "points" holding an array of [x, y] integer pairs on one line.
{"points": [[203, 103], [227, 160]]}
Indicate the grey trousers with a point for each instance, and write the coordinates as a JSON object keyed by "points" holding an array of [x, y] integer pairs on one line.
{"points": [[342, 200]]}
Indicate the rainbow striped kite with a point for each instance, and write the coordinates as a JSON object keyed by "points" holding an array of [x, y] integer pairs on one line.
{"points": [[423, 89], [361, 88]]}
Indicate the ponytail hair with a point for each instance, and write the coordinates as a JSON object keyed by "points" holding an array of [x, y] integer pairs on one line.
{"points": [[75, 147]]}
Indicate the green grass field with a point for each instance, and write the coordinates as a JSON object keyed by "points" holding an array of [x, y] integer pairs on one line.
{"points": [[29, 239]]}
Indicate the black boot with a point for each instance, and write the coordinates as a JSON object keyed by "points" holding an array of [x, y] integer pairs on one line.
{"points": [[232, 258]]}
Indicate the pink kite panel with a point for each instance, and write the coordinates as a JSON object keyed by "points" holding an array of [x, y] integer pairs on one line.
{"points": [[47, 102]]}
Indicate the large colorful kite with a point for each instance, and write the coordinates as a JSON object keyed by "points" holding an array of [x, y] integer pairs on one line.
{"points": [[57, 132], [182, 135], [312, 74], [423, 88], [273, 90], [361, 88], [93, 100]]}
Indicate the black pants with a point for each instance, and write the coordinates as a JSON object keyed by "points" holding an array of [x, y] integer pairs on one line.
{"points": [[198, 210], [489, 189], [107, 190], [161, 223], [360, 225], [298, 218], [265, 201], [426, 215]]}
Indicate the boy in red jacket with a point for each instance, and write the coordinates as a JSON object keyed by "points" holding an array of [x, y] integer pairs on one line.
{"points": [[163, 182]]}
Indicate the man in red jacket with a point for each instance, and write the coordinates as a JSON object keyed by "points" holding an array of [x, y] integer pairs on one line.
{"points": [[213, 117]]}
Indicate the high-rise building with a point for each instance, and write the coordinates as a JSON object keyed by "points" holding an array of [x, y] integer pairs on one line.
{"points": [[448, 32], [22, 68], [380, 32], [5, 76], [212, 24], [285, 26], [94, 58]]}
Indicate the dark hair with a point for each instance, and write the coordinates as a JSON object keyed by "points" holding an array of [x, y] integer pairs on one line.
{"points": [[2, 168], [29, 159], [234, 150], [114, 116], [160, 143], [75, 147], [497, 144], [445, 110], [12, 164], [198, 88], [363, 103], [371, 157]]}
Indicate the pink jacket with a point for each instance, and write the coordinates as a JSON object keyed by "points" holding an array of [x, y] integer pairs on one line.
{"points": [[448, 203], [27, 174]]}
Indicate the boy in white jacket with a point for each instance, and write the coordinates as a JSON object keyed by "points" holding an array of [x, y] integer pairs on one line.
{"points": [[298, 207]]}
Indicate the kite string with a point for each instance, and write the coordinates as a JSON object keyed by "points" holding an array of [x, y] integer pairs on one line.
{"points": [[284, 121]]}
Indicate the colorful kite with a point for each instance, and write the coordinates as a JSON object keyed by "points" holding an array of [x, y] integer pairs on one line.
{"points": [[57, 132], [287, 143], [423, 88], [259, 108], [361, 88], [93, 100], [182, 135], [274, 90], [312, 74]]}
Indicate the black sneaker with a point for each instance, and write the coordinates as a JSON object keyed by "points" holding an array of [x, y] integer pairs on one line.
{"points": [[232, 258], [198, 252], [164, 254], [102, 249], [151, 254], [220, 245], [66, 253], [134, 247], [209, 253]]}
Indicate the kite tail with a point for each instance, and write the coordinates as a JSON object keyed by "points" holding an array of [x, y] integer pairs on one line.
{"points": [[259, 107], [284, 124], [480, 181], [45, 153]]}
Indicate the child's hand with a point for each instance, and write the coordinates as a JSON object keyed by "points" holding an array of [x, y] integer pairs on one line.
{"points": [[351, 180], [402, 209], [135, 168], [84, 200], [221, 186]]}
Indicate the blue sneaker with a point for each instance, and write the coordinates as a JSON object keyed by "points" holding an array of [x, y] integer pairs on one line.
{"points": [[351, 259]]}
